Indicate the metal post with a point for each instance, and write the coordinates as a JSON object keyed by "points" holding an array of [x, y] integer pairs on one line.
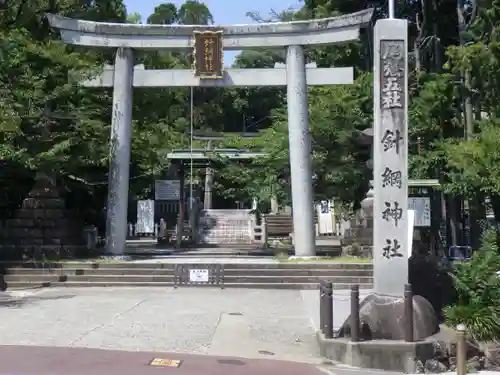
{"points": [[328, 316], [263, 227], [120, 146], [355, 313], [300, 153], [461, 350], [191, 152], [209, 177], [392, 8], [322, 300], [408, 313], [180, 218]]}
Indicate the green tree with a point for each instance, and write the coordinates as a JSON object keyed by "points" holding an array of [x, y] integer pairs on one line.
{"points": [[478, 288], [194, 12], [164, 14], [134, 18]]}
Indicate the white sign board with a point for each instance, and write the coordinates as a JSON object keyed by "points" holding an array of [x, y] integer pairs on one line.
{"points": [[167, 190], [422, 208], [198, 276], [411, 222], [145, 217], [325, 217]]}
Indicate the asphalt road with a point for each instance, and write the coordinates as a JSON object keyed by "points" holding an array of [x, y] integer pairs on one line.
{"points": [[34, 360]]}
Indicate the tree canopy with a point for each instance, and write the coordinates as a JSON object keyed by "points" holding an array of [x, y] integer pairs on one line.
{"points": [[49, 123]]}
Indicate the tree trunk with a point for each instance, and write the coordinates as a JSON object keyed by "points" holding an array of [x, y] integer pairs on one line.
{"points": [[436, 218], [435, 31], [477, 214], [453, 222], [495, 205]]}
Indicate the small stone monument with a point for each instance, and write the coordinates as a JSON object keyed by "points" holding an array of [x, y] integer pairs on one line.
{"points": [[358, 239], [162, 232]]}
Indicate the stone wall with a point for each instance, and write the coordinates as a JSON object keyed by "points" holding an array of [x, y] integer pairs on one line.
{"points": [[42, 227]]}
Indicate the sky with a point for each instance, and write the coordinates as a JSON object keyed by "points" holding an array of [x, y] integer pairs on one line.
{"points": [[223, 11]]}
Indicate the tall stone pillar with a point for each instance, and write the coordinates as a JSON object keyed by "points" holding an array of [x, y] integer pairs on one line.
{"points": [[390, 157], [120, 145], [300, 153]]}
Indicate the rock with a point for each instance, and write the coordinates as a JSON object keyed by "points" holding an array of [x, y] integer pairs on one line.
{"points": [[440, 352], [419, 367], [453, 349], [452, 361], [475, 364], [384, 317], [433, 366], [471, 370], [482, 361], [491, 365], [491, 351]]}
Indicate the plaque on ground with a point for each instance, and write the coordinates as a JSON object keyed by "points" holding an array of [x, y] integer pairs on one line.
{"points": [[199, 275], [165, 362], [208, 55]]}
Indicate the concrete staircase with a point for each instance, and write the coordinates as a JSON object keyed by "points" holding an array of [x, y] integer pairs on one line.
{"points": [[238, 275], [225, 227]]}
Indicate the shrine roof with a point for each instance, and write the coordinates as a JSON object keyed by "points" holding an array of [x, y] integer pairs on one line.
{"points": [[424, 183]]}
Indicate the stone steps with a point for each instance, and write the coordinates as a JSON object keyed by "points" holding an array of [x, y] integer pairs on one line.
{"points": [[79, 284], [171, 265], [323, 273], [243, 275], [258, 279]]}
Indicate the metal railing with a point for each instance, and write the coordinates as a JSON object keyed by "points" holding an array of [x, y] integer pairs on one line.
{"points": [[326, 312], [199, 275]]}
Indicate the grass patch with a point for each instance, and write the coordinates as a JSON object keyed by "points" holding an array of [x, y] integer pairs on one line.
{"points": [[78, 260], [93, 260], [328, 260]]}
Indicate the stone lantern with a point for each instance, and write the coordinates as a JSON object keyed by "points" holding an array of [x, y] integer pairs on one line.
{"points": [[367, 203], [366, 139]]}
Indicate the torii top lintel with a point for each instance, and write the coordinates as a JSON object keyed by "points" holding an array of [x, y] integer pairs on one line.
{"points": [[236, 37]]}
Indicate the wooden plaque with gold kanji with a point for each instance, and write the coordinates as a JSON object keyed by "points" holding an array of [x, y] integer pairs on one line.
{"points": [[208, 54]]}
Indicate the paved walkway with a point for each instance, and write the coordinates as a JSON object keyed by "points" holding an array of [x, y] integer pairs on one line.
{"points": [[245, 323], [118, 331]]}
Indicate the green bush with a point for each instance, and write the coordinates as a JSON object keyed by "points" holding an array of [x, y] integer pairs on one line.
{"points": [[430, 277], [478, 292]]}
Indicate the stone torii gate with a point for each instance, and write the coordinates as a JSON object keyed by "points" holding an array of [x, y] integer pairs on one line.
{"points": [[208, 43]]}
